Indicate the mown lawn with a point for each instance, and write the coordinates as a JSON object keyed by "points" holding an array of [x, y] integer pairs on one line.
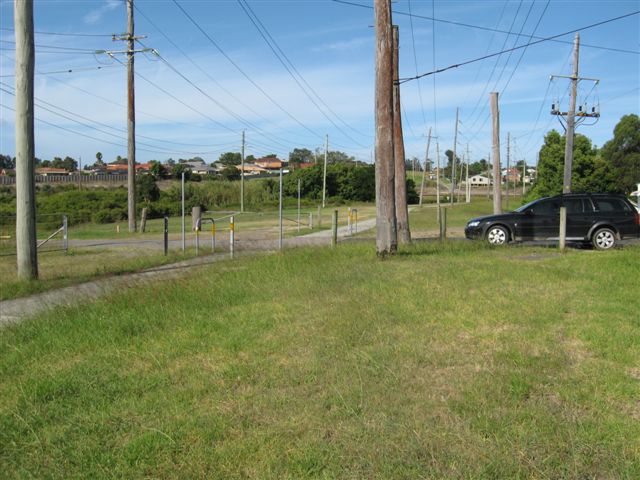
{"points": [[447, 361]]}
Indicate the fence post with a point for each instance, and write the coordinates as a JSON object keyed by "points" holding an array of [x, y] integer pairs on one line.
{"points": [[442, 221], [310, 221], [65, 231], [349, 220], [356, 218], [143, 220], [334, 229], [197, 237], [166, 235], [213, 236], [299, 205], [231, 236], [319, 216]]}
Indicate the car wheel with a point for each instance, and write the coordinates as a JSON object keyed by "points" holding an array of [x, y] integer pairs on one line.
{"points": [[604, 239], [497, 235]]}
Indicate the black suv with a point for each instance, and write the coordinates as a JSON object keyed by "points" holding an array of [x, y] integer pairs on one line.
{"points": [[599, 218]]}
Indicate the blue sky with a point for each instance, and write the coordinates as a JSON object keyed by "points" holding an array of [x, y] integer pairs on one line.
{"points": [[331, 45]]}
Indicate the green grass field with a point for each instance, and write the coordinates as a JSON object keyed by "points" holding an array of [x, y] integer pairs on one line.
{"points": [[446, 361]]}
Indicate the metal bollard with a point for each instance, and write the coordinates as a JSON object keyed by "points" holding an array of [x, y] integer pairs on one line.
{"points": [[334, 229], [197, 237], [231, 236], [166, 235], [213, 236], [65, 232]]}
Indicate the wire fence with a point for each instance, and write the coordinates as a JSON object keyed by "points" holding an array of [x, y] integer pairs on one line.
{"points": [[51, 231]]}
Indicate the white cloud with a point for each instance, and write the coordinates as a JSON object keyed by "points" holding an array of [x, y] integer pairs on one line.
{"points": [[94, 16]]}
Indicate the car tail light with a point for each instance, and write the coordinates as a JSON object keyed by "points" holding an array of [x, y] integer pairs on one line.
{"points": [[638, 219]]}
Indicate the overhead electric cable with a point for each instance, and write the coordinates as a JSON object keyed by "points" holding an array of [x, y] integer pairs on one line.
{"points": [[290, 68], [244, 74], [495, 65], [415, 62], [489, 29], [207, 74], [593, 25], [61, 34]]}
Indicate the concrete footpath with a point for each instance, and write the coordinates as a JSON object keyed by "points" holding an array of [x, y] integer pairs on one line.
{"points": [[13, 311]]}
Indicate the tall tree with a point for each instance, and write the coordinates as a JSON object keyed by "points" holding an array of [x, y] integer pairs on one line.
{"points": [[623, 152], [300, 155], [230, 158]]}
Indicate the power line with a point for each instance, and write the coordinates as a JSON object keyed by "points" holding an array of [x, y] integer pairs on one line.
{"points": [[215, 44], [58, 109], [495, 65], [433, 52], [404, 80], [154, 139], [210, 77], [488, 29], [415, 62], [69, 70], [220, 105], [286, 63], [506, 85], [65, 34], [55, 47]]}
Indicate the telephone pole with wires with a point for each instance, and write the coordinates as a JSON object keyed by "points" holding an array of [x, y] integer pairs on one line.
{"points": [[569, 125], [130, 52], [453, 161]]}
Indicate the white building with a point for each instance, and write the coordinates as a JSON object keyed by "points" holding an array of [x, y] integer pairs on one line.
{"points": [[479, 181]]}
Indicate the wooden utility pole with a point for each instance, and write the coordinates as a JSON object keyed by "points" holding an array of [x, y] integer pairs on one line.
{"points": [[453, 161], [324, 174], [571, 119], [386, 228], [402, 210], [497, 178], [508, 167], [242, 175], [467, 185], [424, 170], [26, 249], [131, 122]]}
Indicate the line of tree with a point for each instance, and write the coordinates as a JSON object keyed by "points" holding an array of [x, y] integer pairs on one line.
{"points": [[614, 168]]}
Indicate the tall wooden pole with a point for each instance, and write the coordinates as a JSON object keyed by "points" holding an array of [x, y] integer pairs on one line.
{"points": [[324, 171], [424, 170], [508, 167], [386, 227], [453, 162], [402, 210], [466, 183], [131, 122], [438, 177], [26, 250], [497, 178], [242, 175], [571, 119]]}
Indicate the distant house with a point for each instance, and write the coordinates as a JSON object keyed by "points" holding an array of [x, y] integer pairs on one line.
{"points": [[123, 168], [46, 171], [304, 165], [479, 181], [7, 172], [203, 169], [512, 174], [252, 169], [270, 163], [117, 168]]}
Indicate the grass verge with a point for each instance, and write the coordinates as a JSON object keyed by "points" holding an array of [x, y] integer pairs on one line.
{"points": [[447, 361]]}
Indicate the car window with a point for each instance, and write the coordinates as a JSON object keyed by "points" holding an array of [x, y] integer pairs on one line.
{"points": [[574, 205], [610, 205], [547, 207]]}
